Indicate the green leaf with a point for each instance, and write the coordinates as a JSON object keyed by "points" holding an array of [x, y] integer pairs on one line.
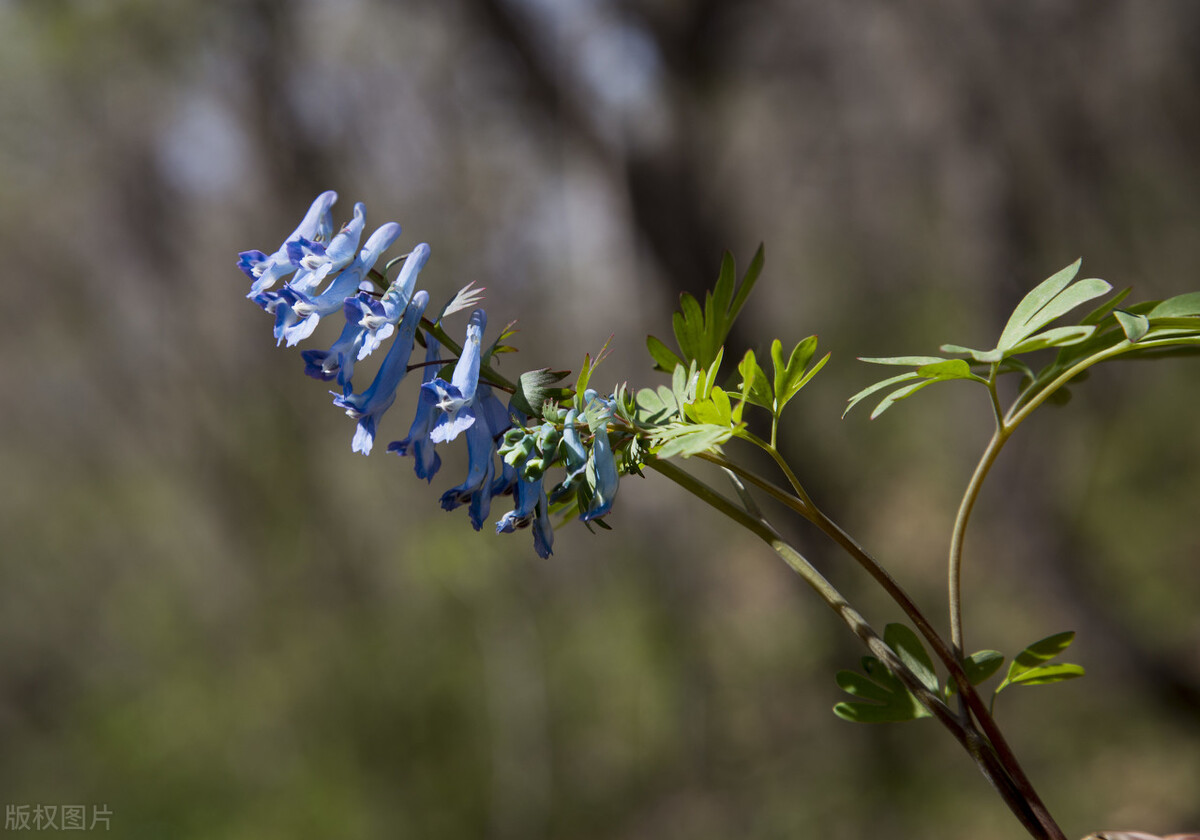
{"points": [[1178, 306], [664, 358], [1027, 667], [1056, 337], [701, 332], [949, 369], [715, 411], [1052, 299], [1047, 674], [792, 376], [1135, 326], [978, 667], [683, 384], [656, 408], [687, 439], [900, 394], [710, 375], [908, 361], [986, 357], [912, 653], [982, 664], [534, 387], [759, 392], [892, 702], [878, 386]]}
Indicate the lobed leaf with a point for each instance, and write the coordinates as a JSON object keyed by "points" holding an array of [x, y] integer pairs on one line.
{"points": [[891, 701], [687, 439], [878, 386], [755, 386]]}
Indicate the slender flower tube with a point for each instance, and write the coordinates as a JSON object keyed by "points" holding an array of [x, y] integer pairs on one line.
{"points": [[315, 261], [425, 457], [265, 270], [370, 405]]}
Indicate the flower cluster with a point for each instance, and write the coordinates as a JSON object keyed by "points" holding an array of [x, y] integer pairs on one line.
{"points": [[508, 451]]}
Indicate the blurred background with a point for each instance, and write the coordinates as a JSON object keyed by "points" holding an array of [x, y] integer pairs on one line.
{"points": [[218, 622]]}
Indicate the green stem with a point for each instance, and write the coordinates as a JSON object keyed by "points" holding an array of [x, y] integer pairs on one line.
{"points": [[958, 535], [1032, 816]]}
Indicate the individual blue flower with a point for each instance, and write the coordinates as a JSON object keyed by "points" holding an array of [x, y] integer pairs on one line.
{"points": [[455, 399], [297, 314], [265, 270], [531, 507], [368, 323], [379, 322], [602, 465], [425, 457], [370, 405], [316, 261], [490, 419]]}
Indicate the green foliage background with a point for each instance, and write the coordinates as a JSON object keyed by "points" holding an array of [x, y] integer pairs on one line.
{"points": [[222, 624]]}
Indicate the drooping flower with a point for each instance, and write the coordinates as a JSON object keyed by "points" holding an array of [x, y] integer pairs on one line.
{"points": [[265, 270], [370, 405], [490, 420], [531, 507], [425, 457], [602, 471]]}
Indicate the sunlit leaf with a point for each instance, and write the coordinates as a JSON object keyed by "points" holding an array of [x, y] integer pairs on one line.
{"points": [[879, 386], [1032, 659], [664, 358]]}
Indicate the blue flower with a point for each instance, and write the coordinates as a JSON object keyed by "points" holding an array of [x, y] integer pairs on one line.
{"points": [[381, 320], [265, 269], [297, 314], [455, 399], [370, 405], [368, 323], [602, 465], [490, 420], [531, 507], [418, 444], [315, 261]]}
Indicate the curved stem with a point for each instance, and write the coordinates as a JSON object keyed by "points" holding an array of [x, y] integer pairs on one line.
{"points": [[958, 535], [1029, 811]]}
